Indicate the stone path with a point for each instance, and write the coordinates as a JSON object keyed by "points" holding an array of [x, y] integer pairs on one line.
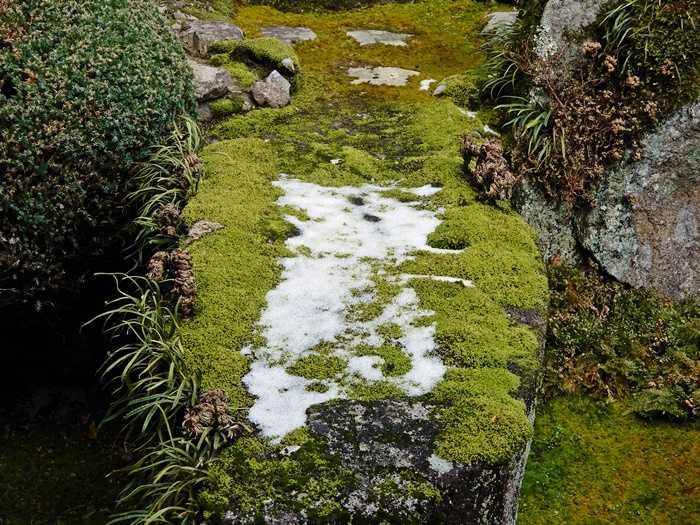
{"points": [[377, 372]]}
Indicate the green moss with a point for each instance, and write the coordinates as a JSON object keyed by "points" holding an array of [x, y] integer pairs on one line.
{"points": [[389, 331], [269, 51], [396, 361], [315, 366], [400, 195], [235, 268], [225, 107], [376, 391], [241, 72], [463, 89], [250, 474], [596, 462]]}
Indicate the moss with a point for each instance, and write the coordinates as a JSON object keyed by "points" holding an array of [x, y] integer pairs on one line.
{"points": [[250, 474], [241, 72], [376, 391], [463, 89], [396, 361], [225, 107], [315, 366], [389, 331], [400, 195], [596, 462], [235, 268], [269, 51]]}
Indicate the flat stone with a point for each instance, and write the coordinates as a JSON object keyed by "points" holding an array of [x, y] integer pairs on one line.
{"points": [[211, 82], [198, 35], [498, 21], [273, 92], [381, 76], [368, 37], [288, 34], [202, 228], [288, 64]]}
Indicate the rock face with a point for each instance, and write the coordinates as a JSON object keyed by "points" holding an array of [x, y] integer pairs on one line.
{"points": [[560, 20], [211, 82], [273, 92], [198, 35], [645, 227], [551, 221], [291, 35]]}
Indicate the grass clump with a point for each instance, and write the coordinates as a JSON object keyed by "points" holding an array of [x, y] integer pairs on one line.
{"points": [[616, 343]]}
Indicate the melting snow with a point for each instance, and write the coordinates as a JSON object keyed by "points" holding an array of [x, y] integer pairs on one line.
{"points": [[344, 246]]}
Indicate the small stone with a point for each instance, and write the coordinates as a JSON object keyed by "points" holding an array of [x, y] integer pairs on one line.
{"points": [[288, 34], [273, 92], [204, 113], [440, 90], [198, 35], [371, 218], [425, 84], [381, 76], [201, 228], [288, 64], [367, 37], [247, 103]]}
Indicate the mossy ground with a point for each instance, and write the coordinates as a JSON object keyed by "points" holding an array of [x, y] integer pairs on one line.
{"points": [[596, 463], [402, 137]]}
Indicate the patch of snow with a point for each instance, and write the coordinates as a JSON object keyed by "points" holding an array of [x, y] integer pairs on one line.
{"points": [[425, 84], [318, 286], [490, 131], [467, 113], [405, 277]]}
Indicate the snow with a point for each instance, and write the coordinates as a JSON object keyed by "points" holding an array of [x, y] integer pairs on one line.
{"points": [[425, 84], [345, 246]]}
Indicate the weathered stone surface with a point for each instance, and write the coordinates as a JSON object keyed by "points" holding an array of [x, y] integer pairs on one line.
{"points": [[198, 35], [381, 76], [561, 20], [645, 227], [212, 82], [272, 92], [291, 35], [202, 228], [499, 20], [367, 37], [288, 64], [551, 222], [204, 113]]}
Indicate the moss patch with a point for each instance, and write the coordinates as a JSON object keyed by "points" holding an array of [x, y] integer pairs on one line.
{"points": [[592, 462], [315, 366], [236, 266]]}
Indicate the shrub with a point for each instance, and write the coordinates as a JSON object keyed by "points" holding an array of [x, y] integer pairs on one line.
{"points": [[617, 343], [83, 95]]}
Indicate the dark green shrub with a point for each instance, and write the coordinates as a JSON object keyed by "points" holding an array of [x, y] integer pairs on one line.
{"points": [[86, 88], [616, 343]]}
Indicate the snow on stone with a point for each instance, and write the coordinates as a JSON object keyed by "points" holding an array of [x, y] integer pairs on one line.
{"points": [[345, 245]]}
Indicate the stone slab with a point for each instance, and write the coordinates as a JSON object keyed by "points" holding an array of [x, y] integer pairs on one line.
{"points": [[366, 37], [288, 34]]}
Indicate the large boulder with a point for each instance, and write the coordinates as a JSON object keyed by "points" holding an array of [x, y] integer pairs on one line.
{"points": [[198, 35], [645, 226]]}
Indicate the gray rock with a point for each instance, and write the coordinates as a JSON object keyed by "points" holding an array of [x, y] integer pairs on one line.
{"points": [[498, 21], [198, 35], [200, 229], [381, 76], [561, 24], [288, 64], [551, 221], [368, 37], [273, 92], [291, 35], [440, 90], [212, 82], [204, 113], [645, 227]]}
